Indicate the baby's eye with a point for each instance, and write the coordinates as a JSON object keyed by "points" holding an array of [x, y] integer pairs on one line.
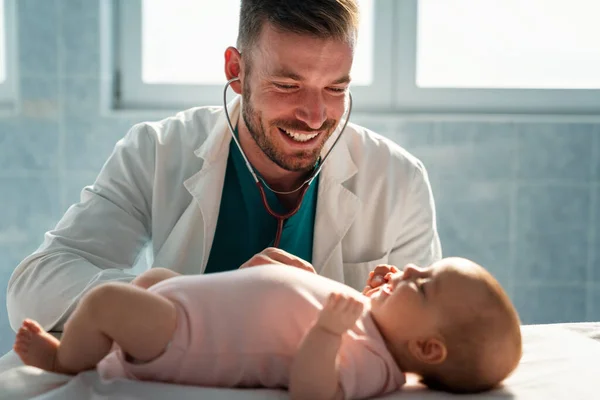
{"points": [[420, 285]]}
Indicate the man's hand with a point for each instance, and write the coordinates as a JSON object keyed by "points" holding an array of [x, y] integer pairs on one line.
{"points": [[272, 255], [339, 313], [380, 275]]}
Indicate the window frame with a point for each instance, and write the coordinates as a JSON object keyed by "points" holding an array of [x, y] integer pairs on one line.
{"points": [[8, 86], [393, 90]]}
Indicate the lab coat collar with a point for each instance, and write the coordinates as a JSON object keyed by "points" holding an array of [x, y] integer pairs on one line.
{"points": [[217, 142], [206, 186], [337, 207], [339, 166]]}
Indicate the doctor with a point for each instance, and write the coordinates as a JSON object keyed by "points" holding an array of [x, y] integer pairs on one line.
{"points": [[182, 188]]}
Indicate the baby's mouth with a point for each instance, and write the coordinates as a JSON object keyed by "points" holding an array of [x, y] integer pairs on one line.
{"points": [[387, 289]]}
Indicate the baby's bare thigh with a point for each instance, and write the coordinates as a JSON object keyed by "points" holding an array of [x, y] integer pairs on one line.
{"points": [[141, 322]]}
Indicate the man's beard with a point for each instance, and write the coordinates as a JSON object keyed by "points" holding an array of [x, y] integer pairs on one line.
{"points": [[301, 160]]}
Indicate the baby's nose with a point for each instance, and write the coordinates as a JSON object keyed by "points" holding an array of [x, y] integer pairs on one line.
{"points": [[411, 271]]}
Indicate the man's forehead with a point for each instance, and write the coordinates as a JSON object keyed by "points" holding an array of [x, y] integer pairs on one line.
{"points": [[275, 45], [283, 72]]}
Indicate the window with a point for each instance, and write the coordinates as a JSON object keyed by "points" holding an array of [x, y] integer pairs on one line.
{"points": [[499, 56], [6, 54], [414, 56], [171, 52], [471, 47]]}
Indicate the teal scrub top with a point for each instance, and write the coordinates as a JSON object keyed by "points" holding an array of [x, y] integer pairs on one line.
{"points": [[245, 228]]}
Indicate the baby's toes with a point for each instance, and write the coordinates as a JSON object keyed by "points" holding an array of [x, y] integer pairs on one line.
{"points": [[32, 326], [20, 348], [21, 344], [24, 335]]}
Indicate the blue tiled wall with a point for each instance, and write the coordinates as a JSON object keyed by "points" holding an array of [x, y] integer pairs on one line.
{"points": [[520, 198]]}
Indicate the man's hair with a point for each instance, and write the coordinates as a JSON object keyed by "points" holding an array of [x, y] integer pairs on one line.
{"points": [[473, 342], [337, 19]]}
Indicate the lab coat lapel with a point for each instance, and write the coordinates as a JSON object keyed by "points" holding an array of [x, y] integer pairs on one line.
{"points": [[207, 185], [336, 209]]}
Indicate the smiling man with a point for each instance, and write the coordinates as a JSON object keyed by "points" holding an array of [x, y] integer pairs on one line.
{"points": [[182, 189]]}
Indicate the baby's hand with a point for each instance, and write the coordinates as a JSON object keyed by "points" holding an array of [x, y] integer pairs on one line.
{"points": [[339, 313], [380, 275]]}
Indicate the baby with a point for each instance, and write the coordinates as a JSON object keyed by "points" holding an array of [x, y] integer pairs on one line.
{"points": [[280, 327]]}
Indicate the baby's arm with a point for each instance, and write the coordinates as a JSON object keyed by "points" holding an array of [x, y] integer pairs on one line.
{"points": [[314, 372], [153, 276]]}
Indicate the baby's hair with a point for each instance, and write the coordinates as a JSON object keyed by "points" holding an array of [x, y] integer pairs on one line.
{"points": [[482, 331]]}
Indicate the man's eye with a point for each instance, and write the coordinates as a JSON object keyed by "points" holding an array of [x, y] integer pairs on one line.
{"points": [[338, 89], [284, 86]]}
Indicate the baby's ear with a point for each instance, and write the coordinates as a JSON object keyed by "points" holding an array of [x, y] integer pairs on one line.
{"points": [[429, 351]]}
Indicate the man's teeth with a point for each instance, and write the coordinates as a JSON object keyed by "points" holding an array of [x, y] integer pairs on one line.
{"points": [[300, 137]]}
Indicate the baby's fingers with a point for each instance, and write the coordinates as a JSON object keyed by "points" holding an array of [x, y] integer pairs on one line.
{"points": [[354, 307], [341, 303], [347, 305], [378, 276], [334, 302]]}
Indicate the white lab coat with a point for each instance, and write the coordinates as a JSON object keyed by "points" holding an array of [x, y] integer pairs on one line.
{"points": [[163, 182]]}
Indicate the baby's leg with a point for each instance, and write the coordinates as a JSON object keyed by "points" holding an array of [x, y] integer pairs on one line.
{"points": [[142, 323], [152, 276]]}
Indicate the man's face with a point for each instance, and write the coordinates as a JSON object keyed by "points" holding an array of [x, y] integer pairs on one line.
{"points": [[294, 95]]}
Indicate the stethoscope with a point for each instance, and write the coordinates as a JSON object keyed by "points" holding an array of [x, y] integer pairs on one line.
{"points": [[281, 218]]}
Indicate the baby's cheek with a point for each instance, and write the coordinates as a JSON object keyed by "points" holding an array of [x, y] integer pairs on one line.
{"points": [[409, 305]]}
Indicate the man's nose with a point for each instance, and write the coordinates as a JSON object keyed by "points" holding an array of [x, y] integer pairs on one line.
{"points": [[312, 110]]}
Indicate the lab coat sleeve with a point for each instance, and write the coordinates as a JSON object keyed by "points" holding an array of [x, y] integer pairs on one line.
{"points": [[418, 241], [95, 240]]}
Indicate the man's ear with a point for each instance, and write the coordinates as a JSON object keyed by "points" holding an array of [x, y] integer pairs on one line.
{"points": [[233, 68], [428, 351]]}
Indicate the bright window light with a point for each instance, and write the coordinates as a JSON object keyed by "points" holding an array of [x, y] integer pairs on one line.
{"points": [[532, 44], [2, 44], [184, 41]]}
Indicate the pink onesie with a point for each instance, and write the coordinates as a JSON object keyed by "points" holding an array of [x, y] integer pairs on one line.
{"points": [[242, 329]]}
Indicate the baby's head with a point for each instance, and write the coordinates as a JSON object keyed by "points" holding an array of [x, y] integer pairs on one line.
{"points": [[450, 323]]}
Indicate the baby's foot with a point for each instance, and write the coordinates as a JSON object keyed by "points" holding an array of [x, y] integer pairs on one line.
{"points": [[35, 346]]}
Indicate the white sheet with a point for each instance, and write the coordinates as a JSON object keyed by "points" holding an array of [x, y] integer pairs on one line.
{"points": [[558, 363]]}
